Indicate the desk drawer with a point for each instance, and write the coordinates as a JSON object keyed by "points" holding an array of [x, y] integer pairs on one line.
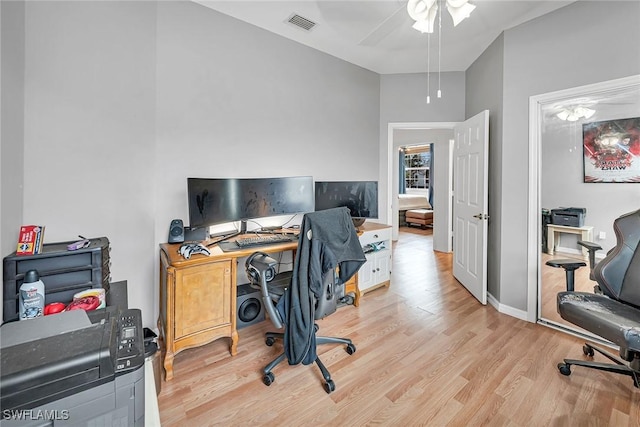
{"points": [[374, 236]]}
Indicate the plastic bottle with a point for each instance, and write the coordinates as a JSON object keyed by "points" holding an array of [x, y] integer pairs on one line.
{"points": [[31, 301]]}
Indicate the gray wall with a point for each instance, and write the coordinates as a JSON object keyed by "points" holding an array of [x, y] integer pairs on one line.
{"points": [[12, 16], [125, 100], [485, 92], [403, 99], [556, 51], [237, 101], [90, 131]]}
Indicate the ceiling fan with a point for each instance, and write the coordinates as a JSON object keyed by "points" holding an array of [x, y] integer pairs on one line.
{"points": [[420, 15], [585, 107]]}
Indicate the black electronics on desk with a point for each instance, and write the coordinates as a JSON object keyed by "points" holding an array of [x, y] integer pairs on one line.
{"points": [[360, 197], [570, 217], [215, 201], [250, 308]]}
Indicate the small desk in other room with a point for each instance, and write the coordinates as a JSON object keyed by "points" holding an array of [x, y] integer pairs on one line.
{"points": [[585, 232]]}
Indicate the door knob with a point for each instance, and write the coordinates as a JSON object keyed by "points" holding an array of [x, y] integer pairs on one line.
{"points": [[481, 216]]}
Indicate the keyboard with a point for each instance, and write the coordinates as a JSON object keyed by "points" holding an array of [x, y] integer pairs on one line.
{"points": [[264, 240]]}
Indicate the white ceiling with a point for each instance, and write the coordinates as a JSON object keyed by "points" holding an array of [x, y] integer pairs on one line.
{"points": [[377, 34]]}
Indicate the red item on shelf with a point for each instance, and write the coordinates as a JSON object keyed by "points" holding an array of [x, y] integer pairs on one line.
{"points": [[54, 307], [86, 304]]}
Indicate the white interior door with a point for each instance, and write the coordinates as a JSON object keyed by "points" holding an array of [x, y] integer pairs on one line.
{"points": [[470, 205]]}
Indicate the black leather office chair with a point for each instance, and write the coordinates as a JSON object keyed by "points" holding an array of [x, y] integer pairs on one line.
{"points": [[613, 314], [328, 255]]}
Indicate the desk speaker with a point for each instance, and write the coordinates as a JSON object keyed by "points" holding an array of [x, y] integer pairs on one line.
{"points": [[249, 306], [176, 231]]}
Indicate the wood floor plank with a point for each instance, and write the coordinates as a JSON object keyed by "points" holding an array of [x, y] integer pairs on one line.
{"points": [[428, 354]]}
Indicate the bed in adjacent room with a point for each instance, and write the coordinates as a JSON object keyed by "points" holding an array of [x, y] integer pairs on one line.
{"points": [[408, 202]]}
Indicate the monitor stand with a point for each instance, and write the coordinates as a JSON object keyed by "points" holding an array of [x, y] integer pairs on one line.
{"points": [[242, 230], [357, 222]]}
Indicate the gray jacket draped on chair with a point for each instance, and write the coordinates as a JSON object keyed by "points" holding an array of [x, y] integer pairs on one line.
{"points": [[327, 240]]}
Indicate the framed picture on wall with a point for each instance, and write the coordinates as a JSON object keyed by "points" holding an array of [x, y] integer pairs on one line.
{"points": [[612, 151]]}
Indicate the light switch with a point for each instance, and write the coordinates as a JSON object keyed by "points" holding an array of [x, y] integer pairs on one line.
{"points": [[602, 235]]}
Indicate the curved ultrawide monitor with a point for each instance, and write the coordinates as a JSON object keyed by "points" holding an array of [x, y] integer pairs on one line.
{"points": [[361, 197], [218, 200]]}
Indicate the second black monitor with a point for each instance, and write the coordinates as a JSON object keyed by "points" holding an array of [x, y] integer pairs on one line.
{"points": [[361, 197]]}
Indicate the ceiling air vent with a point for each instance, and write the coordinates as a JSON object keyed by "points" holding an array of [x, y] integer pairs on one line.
{"points": [[302, 22]]}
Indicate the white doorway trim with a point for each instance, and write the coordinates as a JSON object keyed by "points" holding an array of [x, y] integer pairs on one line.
{"points": [[442, 214], [534, 219]]}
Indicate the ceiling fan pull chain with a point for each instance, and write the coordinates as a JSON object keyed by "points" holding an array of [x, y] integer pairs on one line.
{"points": [[439, 46], [428, 68]]}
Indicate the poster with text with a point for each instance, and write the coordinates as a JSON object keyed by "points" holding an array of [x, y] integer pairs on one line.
{"points": [[612, 151]]}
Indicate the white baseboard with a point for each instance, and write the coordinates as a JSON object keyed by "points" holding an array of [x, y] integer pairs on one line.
{"points": [[505, 309], [151, 410], [568, 250]]}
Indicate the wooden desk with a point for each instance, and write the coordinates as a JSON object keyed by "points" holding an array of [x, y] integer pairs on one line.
{"points": [[198, 298], [586, 233], [198, 295]]}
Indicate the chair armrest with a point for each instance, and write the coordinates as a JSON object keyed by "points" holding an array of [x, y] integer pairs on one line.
{"points": [[590, 245], [591, 248], [569, 265], [258, 264], [566, 263]]}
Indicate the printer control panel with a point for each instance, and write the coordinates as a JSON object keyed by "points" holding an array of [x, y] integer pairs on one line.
{"points": [[130, 353]]}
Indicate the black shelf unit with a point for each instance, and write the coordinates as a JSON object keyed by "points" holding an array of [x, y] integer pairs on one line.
{"points": [[63, 272]]}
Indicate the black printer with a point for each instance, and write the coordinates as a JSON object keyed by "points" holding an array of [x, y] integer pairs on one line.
{"points": [[571, 217], [73, 368]]}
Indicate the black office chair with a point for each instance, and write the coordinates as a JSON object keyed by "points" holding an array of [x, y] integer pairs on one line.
{"points": [[328, 255], [613, 314]]}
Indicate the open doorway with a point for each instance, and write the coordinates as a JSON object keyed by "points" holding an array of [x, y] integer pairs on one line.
{"points": [[441, 136], [558, 147], [415, 189]]}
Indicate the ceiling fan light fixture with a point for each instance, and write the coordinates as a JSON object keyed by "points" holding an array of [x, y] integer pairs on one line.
{"points": [[423, 26], [419, 9], [459, 14], [585, 112], [427, 25], [575, 113], [424, 13]]}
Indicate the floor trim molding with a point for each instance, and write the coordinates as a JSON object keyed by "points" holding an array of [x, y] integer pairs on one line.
{"points": [[505, 309]]}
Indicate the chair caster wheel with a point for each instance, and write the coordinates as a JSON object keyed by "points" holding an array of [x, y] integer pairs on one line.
{"points": [[270, 341], [268, 379], [587, 350], [351, 348], [564, 369], [347, 300], [329, 386]]}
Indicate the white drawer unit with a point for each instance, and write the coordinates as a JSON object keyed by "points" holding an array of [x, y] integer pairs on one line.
{"points": [[376, 242]]}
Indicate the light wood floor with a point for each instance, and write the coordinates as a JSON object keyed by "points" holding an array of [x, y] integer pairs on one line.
{"points": [[428, 354]]}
